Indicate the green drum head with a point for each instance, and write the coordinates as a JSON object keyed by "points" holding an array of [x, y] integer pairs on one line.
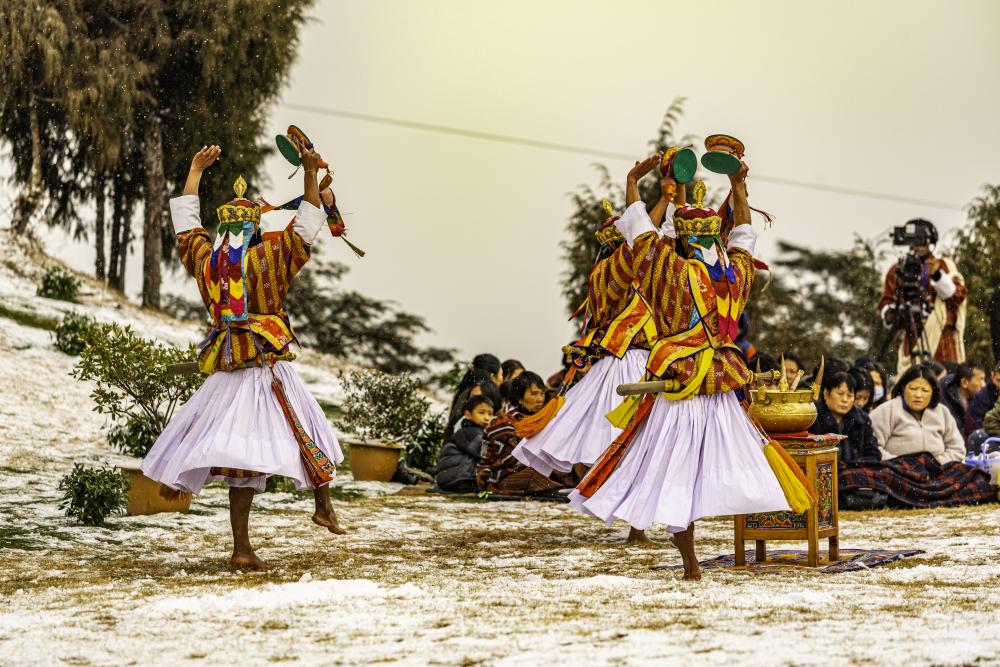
{"points": [[684, 165], [720, 163], [288, 150]]}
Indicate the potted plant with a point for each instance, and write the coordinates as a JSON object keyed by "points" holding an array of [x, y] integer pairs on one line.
{"points": [[385, 412], [134, 389]]}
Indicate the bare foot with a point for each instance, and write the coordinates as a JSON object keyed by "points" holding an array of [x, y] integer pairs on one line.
{"points": [[328, 519], [248, 561], [692, 572], [638, 538]]}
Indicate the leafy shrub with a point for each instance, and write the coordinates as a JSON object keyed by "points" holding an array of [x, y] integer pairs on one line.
{"points": [[422, 454], [93, 494], [58, 283], [383, 407], [135, 437], [130, 375], [69, 333], [279, 484]]}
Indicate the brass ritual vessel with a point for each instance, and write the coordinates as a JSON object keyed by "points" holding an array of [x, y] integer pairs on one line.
{"points": [[786, 409]]}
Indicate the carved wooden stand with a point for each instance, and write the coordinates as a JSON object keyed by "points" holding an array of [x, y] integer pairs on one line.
{"points": [[820, 522]]}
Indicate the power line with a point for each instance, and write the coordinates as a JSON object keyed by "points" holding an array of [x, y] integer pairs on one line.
{"points": [[597, 152]]}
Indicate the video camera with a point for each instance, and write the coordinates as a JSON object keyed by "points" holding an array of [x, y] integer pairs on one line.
{"points": [[911, 309], [914, 234]]}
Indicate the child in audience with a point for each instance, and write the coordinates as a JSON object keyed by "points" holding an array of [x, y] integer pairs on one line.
{"points": [[456, 469]]}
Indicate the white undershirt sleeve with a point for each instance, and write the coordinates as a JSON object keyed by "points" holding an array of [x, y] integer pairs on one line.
{"points": [[309, 220], [635, 222], [185, 213], [743, 236]]}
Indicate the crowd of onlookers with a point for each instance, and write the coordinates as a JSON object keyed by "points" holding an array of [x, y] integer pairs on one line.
{"points": [[904, 442], [480, 435]]}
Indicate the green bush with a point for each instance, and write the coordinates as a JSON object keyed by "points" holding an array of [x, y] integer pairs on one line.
{"points": [[383, 407], [69, 333], [277, 483], [58, 283], [422, 454], [134, 437], [93, 494], [130, 375]]}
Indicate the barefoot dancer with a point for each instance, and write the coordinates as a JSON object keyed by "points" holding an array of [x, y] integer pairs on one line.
{"points": [[573, 431], [253, 417], [692, 453]]}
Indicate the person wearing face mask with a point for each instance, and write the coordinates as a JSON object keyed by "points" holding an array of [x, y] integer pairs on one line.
{"points": [[922, 450], [498, 471]]}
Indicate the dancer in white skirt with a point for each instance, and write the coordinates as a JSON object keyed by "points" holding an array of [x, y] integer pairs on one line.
{"points": [[693, 452], [253, 417], [573, 430]]}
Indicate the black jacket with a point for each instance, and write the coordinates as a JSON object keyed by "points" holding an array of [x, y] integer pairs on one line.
{"points": [[952, 400], [456, 468], [860, 445]]}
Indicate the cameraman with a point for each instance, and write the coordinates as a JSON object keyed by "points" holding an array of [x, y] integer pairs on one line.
{"points": [[933, 288]]}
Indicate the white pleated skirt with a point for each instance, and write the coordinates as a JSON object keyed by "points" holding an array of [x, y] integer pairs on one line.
{"points": [[691, 459], [580, 432], [235, 421]]}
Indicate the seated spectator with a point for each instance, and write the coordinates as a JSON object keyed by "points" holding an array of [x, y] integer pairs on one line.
{"points": [[922, 450], [991, 422], [793, 364], [511, 369], [940, 370], [474, 378], [837, 412], [498, 471], [864, 396], [983, 401], [881, 379], [490, 364], [958, 389], [456, 469], [915, 421]]}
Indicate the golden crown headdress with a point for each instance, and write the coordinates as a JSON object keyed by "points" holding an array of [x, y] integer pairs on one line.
{"points": [[608, 234], [239, 209], [698, 220]]}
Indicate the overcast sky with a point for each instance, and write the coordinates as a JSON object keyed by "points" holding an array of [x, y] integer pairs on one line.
{"points": [[897, 98]]}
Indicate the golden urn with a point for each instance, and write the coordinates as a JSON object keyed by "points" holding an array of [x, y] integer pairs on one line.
{"points": [[785, 408]]}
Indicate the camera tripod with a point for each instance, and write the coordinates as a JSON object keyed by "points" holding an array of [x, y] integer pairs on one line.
{"points": [[909, 319]]}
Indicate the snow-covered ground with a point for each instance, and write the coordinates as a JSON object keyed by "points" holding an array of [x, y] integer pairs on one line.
{"points": [[424, 579]]}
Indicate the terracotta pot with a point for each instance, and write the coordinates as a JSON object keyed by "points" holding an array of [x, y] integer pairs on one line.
{"points": [[373, 461], [783, 411], [149, 497]]}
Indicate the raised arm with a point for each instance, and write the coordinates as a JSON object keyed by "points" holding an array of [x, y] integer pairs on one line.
{"points": [[194, 244], [741, 207], [638, 171], [662, 213], [201, 161]]}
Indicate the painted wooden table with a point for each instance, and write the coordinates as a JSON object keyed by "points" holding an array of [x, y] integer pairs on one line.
{"points": [[820, 522]]}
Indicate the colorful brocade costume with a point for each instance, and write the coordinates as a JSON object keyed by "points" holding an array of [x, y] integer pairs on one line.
{"points": [[617, 342], [691, 452], [253, 417]]}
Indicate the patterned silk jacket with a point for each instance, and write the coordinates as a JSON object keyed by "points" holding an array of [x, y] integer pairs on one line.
{"points": [[268, 272], [685, 296]]}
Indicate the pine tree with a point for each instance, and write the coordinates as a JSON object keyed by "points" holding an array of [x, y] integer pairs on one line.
{"points": [[819, 302], [580, 247], [976, 254], [36, 43]]}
